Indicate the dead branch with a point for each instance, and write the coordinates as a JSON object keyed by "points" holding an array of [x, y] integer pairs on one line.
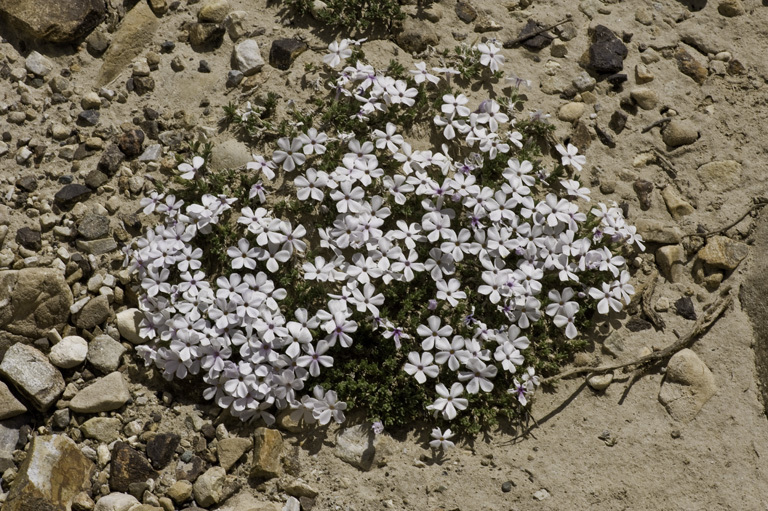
{"points": [[514, 42], [648, 128], [665, 164], [759, 202], [712, 313]]}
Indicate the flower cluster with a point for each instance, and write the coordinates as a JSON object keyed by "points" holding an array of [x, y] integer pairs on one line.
{"points": [[469, 222]]}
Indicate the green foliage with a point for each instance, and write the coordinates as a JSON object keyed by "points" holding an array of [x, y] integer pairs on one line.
{"points": [[353, 16]]}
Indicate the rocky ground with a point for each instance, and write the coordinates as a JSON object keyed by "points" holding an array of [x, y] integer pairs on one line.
{"points": [[668, 101]]}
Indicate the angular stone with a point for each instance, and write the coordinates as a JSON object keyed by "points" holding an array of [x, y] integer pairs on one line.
{"points": [[208, 487], [93, 226], [143, 84], [71, 194], [103, 429], [538, 41], [607, 52], [133, 36], [685, 309], [679, 133], [33, 375], [9, 405], [213, 11], [246, 57], [104, 353], [690, 66], [644, 191], [297, 488], [465, 11], [161, 447], [731, 8], [38, 64], [94, 313], [416, 36], [654, 231], [95, 179], [53, 473], [720, 176], [284, 51], [723, 252], [116, 502], [97, 247], [676, 205], [191, 469], [180, 491], [29, 239], [54, 21], [88, 118], [688, 385], [128, 466], [104, 395], [152, 153], [671, 259], [33, 301], [646, 98], [355, 445], [110, 160], [267, 448], [230, 450], [69, 352]]}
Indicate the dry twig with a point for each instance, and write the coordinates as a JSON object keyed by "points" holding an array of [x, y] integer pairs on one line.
{"points": [[514, 42], [648, 128], [759, 202], [665, 164], [648, 309], [712, 313]]}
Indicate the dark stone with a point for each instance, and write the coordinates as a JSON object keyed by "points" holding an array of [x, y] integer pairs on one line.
{"points": [[536, 42], [131, 221], [690, 66], [161, 447], [81, 153], [151, 114], [30, 239], [93, 226], [150, 128], [204, 67], [206, 35], [234, 77], [735, 68], [58, 98], [306, 503], [72, 194], [637, 324], [466, 11], [138, 489], [130, 143], [143, 84], [53, 21], [684, 308], [604, 137], [167, 47], [507, 486], [208, 431], [177, 64], [128, 466], [607, 52], [27, 183], [83, 263], [618, 121], [88, 118], [580, 136], [111, 159], [95, 179], [97, 43], [190, 470], [284, 51], [644, 190]]}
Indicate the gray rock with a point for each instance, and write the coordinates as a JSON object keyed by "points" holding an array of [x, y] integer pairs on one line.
{"points": [[679, 133], [32, 374], [230, 450], [292, 504], [104, 395], [94, 313], [116, 502], [128, 322], [230, 154], [104, 353], [33, 301], [466, 11], [10, 434], [9, 406], [583, 82], [29, 239], [284, 51], [234, 78], [246, 57], [93, 226], [69, 352], [61, 418], [71, 194], [95, 179], [88, 118], [111, 159], [688, 385], [208, 487], [38, 65], [103, 429], [133, 36], [97, 43], [416, 36], [355, 445], [97, 247], [537, 42], [53, 473], [607, 52], [52, 20], [152, 153]]}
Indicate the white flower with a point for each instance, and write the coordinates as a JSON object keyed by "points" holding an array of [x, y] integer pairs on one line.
{"points": [[450, 291], [311, 185], [290, 153], [421, 74], [190, 171], [421, 366], [455, 104], [449, 401], [338, 52], [441, 439], [571, 156], [490, 56]]}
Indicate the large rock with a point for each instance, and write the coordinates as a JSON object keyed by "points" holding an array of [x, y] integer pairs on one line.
{"points": [[69, 352], [209, 487], [116, 502], [53, 21], [721, 175], [723, 252], [104, 353], [267, 449], [230, 450], [33, 301], [94, 313], [607, 52], [128, 466], [9, 405], [356, 446], [52, 474], [134, 36], [416, 36], [128, 322], [9, 437], [687, 385], [32, 374], [103, 429], [103, 395], [246, 57]]}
